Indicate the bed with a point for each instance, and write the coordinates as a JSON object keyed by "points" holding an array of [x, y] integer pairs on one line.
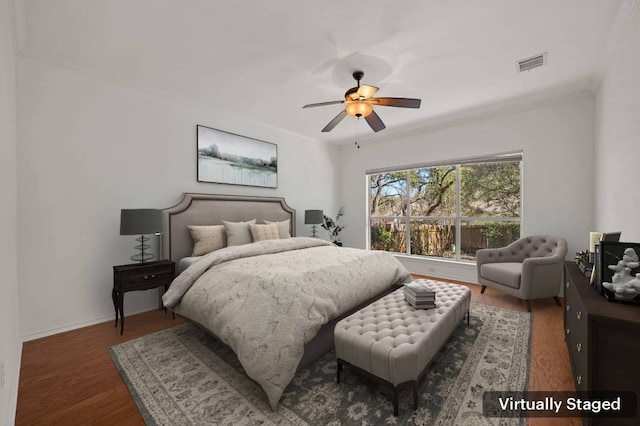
{"points": [[275, 302]]}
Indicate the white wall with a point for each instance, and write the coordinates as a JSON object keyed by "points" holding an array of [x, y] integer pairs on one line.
{"points": [[618, 139], [88, 148], [557, 140], [10, 345]]}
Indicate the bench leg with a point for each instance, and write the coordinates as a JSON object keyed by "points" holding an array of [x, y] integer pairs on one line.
{"points": [[528, 302], [415, 395], [338, 370], [468, 317], [395, 401], [557, 299], [484, 287]]}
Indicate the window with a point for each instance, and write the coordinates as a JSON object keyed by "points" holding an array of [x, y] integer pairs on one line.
{"points": [[446, 210]]}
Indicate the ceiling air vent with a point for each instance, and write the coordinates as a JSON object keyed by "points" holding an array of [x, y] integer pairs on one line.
{"points": [[532, 62]]}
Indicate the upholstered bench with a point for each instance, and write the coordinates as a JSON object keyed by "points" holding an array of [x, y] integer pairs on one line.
{"points": [[394, 342]]}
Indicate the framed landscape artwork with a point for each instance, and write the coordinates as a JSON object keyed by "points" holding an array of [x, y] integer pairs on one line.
{"points": [[225, 157]]}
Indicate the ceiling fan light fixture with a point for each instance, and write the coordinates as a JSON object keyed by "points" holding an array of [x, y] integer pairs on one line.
{"points": [[358, 108]]}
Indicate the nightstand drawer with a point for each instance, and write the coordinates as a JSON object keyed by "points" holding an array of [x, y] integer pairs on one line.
{"points": [[145, 281], [151, 274]]}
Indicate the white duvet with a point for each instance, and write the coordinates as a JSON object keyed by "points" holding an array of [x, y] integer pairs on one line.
{"points": [[267, 299]]}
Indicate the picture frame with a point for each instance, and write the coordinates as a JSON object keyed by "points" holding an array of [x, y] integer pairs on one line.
{"points": [[227, 158], [595, 279], [619, 262]]}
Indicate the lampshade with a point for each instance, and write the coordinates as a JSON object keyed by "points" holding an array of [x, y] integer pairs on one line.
{"points": [[313, 217], [140, 221], [359, 108]]}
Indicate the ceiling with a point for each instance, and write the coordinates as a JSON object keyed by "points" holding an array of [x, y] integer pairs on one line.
{"points": [[264, 60]]}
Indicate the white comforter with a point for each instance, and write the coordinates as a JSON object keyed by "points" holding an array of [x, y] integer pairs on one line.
{"points": [[266, 300]]}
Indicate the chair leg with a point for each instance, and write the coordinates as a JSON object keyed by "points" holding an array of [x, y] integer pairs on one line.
{"points": [[557, 299], [528, 302], [484, 287]]}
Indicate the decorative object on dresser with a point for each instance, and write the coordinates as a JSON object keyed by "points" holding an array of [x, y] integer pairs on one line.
{"points": [[139, 277], [603, 340], [141, 222], [313, 218], [237, 160], [619, 273], [333, 226], [219, 392]]}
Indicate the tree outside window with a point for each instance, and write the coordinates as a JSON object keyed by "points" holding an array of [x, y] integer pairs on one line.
{"points": [[446, 211]]}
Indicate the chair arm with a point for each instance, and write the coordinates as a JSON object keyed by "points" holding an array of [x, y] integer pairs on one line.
{"points": [[546, 260], [542, 276]]}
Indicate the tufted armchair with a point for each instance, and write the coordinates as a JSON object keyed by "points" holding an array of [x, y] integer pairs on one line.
{"points": [[530, 268]]}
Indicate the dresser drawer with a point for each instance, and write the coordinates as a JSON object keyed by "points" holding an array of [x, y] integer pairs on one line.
{"points": [[576, 334]]}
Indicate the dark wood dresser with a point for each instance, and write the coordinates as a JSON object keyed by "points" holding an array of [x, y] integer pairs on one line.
{"points": [[603, 339]]}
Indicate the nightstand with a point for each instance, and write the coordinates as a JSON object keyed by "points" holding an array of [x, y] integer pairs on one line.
{"points": [[139, 276]]}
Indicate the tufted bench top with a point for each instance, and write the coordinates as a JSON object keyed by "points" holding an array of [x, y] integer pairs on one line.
{"points": [[395, 342]]}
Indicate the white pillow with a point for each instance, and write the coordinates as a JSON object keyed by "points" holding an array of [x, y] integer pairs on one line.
{"points": [[238, 233], [264, 232], [283, 228], [207, 238]]}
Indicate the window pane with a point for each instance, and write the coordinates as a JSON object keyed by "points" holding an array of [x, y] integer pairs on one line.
{"points": [[388, 235], [433, 191], [388, 194], [478, 235], [491, 189], [433, 238]]}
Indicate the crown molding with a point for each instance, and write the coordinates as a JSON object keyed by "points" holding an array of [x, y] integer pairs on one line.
{"points": [[18, 18], [549, 97]]}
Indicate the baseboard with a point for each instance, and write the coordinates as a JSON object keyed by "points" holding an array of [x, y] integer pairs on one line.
{"points": [[440, 268], [94, 321]]}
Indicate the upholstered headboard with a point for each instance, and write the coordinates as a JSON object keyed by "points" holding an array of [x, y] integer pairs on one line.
{"points": [[212, 209]]}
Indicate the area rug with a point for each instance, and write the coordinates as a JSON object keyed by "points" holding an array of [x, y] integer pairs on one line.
{"points": [[183, 376]]}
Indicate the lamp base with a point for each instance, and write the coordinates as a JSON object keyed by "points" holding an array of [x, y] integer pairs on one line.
{"points": [[142, 257], [314, 234]]}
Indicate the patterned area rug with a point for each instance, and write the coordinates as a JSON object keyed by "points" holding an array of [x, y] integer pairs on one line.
{"points": [[182, 376]]}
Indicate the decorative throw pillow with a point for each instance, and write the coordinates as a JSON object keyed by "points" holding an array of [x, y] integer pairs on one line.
{"points": [[238, 232], [207, 238], [264, 232], [283, 228]]}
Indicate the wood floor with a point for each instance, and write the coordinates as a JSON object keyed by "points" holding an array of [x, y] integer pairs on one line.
{"points": [[69, 378]]}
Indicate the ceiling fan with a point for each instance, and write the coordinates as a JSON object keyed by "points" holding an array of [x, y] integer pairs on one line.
{"points": [[359, 102]]}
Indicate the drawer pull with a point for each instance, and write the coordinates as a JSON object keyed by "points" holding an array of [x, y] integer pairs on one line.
{"points": [[568, 308], [153, 275], [568, 284], [568, 330], [146, 276], [579, 315], [579, 347], [579, 380]]}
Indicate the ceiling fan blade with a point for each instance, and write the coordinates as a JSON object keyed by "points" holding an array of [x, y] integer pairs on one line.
{"points": [[324, 103], [397, 102], [375, 122], [366, 91], [333, 123]]}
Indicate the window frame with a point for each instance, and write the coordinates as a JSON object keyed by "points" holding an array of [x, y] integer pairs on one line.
{"points": [[508, 157]]}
